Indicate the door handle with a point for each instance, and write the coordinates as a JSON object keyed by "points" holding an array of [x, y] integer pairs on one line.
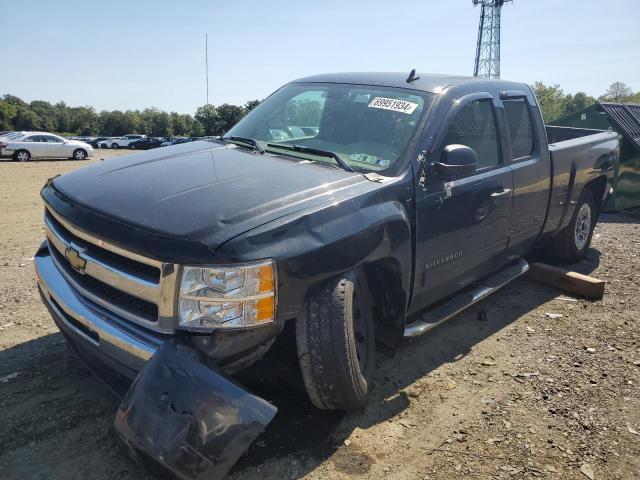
{"points": [[501, 193]]}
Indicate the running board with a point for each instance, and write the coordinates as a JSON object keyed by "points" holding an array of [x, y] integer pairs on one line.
{"points": [[459, 302]]}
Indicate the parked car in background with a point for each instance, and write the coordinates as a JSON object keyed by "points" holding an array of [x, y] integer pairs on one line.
{"points": [[95, 143], [121, 142], [11, 135], [146, 143], [170, 141], [185, 140], [176, 141], [43, 145]]}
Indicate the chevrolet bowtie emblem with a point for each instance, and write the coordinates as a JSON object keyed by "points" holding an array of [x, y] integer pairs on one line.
{"points": [[77, 262]]}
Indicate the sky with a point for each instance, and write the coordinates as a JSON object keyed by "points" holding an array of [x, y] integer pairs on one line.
{"points": [[140, 53]]}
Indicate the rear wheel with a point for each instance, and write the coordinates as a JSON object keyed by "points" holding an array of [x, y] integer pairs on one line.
{"points": [[22, 156], [115, 146], [572, 243], [336, 345], [79, 154]]}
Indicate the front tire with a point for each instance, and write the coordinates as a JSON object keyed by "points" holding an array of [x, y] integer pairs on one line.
{"points": [[572, 243], [335, 336], [79, 154], [115, 146], [22, 156]]}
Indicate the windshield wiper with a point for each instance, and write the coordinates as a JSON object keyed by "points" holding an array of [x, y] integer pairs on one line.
{"points": [[314, 151], [248, 140]]}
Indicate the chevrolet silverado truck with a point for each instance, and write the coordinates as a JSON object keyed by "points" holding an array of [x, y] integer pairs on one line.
{"points": [[364, 208]]}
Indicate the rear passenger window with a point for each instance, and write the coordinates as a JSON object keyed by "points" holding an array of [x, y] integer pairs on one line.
{"points": [[519, 121], [474, 126]]}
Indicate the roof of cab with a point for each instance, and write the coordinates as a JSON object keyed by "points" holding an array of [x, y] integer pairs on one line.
{"points": [[428, 82]]}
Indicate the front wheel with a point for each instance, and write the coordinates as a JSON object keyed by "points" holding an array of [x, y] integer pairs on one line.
{"points": [[572, 243], [336, 344], [115, 146], [79, 154]]}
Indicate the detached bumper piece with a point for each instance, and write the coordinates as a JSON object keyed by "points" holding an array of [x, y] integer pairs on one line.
{"points": [[183, 420]]}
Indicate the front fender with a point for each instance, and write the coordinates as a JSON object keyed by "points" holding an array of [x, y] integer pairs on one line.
{"points": [[312, 246]]}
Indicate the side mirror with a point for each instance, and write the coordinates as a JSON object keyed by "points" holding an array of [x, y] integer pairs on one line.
{"points": [[456, 161]]}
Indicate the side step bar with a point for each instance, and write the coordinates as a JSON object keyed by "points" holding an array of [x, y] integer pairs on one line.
{"points": [[459, 302]]}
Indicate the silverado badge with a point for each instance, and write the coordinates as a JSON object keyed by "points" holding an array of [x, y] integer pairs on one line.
{"points": [[439, 261]]}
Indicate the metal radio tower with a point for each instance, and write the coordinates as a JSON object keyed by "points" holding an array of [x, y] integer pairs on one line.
{"points": [[488, 49]]}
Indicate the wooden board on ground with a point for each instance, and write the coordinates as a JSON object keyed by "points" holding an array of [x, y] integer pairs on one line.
{"points": [[574, 282]]}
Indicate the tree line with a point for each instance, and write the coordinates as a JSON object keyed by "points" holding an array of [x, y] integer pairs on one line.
{"points": [[16, 114], [555, 104]]}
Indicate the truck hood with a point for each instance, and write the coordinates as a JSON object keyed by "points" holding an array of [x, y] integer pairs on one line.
{"points": [[202, 191]]}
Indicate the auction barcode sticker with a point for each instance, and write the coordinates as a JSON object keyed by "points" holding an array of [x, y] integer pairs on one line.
{"points": [[393, 104]]}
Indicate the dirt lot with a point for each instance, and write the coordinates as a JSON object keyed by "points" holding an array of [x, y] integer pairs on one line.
{"points": [[521, 394]]}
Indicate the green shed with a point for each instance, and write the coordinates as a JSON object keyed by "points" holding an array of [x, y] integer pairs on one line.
{"points": [[623, 118]]}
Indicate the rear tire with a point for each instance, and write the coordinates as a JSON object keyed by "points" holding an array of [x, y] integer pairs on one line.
{"points": [[572, 243], [115, 146], [22, 156], [335, 336]]}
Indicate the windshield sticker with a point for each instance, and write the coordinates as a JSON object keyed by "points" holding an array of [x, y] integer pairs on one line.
{"points": [[370, 159], [393, 104]]}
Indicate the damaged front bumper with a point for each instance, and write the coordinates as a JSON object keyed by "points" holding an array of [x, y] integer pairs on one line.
{"points": [[186, 418], [178, 417]]}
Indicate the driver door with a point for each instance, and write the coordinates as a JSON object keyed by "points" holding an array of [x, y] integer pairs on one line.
{"points": [[56, 147], [463, 223]]}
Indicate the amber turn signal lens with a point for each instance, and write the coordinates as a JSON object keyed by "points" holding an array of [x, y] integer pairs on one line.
{"points": [[267, 282], [265, 309]]}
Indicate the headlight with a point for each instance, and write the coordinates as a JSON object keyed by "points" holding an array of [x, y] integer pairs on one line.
{"points": [[236, 296]]}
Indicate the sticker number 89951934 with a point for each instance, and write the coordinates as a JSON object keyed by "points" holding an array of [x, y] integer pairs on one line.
{"points": [[393, 104]]}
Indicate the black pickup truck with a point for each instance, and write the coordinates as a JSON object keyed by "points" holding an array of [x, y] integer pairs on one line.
{"points": [[363, 207]]}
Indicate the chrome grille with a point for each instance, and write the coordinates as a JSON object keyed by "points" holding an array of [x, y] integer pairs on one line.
{"points": [[133, 287]]}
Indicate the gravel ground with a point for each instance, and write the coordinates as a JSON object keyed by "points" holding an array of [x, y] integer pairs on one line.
{"points": [[547, 386]]}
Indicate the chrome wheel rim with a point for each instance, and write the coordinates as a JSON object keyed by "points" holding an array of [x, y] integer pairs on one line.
{"points": [[80, 155], [583, 226], [23, 156]]}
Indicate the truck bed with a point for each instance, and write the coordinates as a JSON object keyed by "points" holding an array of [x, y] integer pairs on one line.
{"points": [[561, 134], [578, 155]]}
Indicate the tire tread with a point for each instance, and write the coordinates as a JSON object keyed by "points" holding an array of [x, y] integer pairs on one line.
{"points": [[324, 333]]}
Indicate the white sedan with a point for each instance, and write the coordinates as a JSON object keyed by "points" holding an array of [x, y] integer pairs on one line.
{"points": [[43, 145], [121, 142]]}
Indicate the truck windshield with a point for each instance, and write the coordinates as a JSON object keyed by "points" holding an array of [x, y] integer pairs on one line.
{"points": [[368, 127]]}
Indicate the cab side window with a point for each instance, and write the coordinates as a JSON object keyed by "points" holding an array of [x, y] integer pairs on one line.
{"points": [[520, 131], [474, 126]]}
